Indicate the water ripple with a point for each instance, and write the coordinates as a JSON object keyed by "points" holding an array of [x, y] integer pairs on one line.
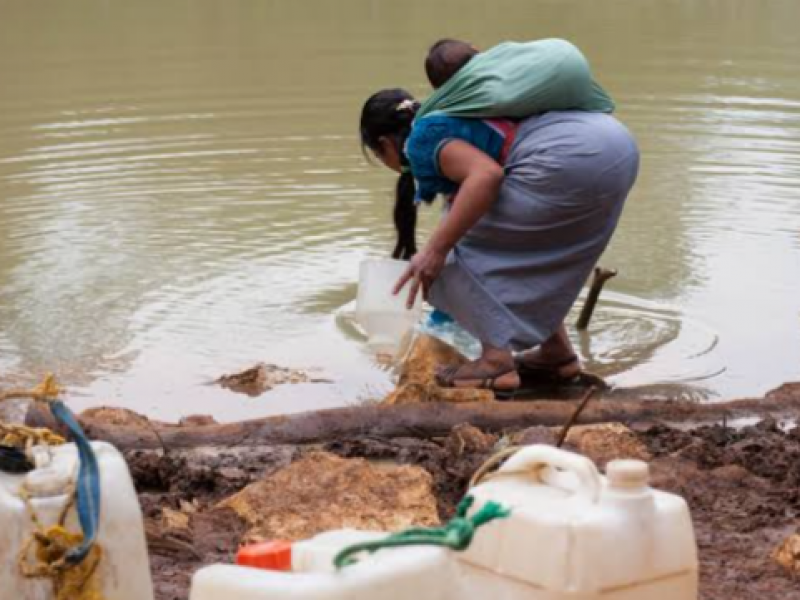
{"points": [[176, 201]]}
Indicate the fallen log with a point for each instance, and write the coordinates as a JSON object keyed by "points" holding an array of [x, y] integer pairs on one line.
{"points": [[415, 420]]}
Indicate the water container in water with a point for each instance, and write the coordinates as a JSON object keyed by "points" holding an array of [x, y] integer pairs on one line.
{"points": [[384, 316], [571, 535], [123, 572]]}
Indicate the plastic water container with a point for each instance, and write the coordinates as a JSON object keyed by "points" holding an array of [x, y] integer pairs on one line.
{"points": [[316, 555], [384, 316], [575, 534], [123, 572], [572, 535], [398, 574]]}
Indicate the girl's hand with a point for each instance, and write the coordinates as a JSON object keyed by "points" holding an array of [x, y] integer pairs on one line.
{"points": [[423, 269]]}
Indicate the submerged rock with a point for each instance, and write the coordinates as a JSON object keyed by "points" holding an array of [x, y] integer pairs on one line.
{"points": [[418, 375], [263, 377]]}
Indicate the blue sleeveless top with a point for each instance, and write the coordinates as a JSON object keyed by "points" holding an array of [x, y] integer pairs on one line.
{"points": [[430, 134]]}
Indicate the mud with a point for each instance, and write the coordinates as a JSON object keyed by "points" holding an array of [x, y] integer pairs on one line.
{"points": [[744, 493], [743, 487]]}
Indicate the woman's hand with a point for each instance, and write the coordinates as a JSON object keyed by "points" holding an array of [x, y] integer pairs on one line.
{"points": [[423, 269]]}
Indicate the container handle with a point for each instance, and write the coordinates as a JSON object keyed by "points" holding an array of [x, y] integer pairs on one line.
{"points": [[532, 460]]}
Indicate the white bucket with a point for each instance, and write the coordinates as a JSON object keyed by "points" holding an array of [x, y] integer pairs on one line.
{"points": [[124, 569], [381, 314]]}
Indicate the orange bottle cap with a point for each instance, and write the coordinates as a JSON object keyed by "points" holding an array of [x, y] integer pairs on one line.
{"points": [[275, 555]]}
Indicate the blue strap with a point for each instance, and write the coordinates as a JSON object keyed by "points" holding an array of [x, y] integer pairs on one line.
{"points": [[87, 486]]}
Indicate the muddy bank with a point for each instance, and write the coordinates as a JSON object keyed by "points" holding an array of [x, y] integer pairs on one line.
{"points": [[743, 487]]}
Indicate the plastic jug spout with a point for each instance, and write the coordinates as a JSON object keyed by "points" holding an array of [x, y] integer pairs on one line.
{"points": [[632, 475]]}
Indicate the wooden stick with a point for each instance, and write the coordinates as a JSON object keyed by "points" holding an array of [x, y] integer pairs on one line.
{"points": [[574, 417], [601, 275]]}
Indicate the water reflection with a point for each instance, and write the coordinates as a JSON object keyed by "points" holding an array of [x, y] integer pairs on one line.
{"points": [[181, 193]]}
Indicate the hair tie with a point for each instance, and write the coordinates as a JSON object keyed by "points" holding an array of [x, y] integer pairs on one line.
{"points": [[408, 104]]}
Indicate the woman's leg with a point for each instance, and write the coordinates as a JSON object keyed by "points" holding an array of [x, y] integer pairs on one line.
{"points": [[494, 364], [556, 353]]}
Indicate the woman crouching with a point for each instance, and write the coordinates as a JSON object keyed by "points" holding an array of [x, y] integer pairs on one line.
{"points": [[531, 206]]}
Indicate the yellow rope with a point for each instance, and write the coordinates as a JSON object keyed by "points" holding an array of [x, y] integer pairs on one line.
{"points": [[45, 391], [49, 547], [24, 437]]}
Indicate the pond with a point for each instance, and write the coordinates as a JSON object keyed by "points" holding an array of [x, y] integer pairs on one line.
{"points": [[182, 193]]}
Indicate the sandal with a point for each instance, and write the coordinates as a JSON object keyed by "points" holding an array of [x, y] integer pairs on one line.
{"points": [[547, 374], [447, 378], [548, 377]]}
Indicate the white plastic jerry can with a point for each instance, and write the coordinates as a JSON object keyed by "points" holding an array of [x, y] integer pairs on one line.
{"points": [[123, 572], [575, 534], [421, 573]]}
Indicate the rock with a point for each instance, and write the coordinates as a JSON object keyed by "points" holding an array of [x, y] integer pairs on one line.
{"points": [[606, 442], [536, 435], [600, 443], [466, 439], [174, 519], [418, 375], [263, 377], [118, 417], [788, 553], [198, 420], [174, 542], [788, 392], [321, 492]]}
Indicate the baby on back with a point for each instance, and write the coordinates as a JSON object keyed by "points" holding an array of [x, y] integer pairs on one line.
{"points": [[445, 58], [513, 80]]}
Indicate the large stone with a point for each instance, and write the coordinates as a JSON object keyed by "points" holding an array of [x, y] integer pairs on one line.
{"points": [[602, 443], [606, 442], [321, 492], [418, 375]]}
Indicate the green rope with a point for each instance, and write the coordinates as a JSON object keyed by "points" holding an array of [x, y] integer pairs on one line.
{"points": [[456, 534]]}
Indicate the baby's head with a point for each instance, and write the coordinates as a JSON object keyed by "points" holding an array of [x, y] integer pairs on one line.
{"points": [[445, 58]]}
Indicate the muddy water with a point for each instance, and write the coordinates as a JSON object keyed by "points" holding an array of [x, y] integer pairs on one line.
{"points": [[181, 194]]}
